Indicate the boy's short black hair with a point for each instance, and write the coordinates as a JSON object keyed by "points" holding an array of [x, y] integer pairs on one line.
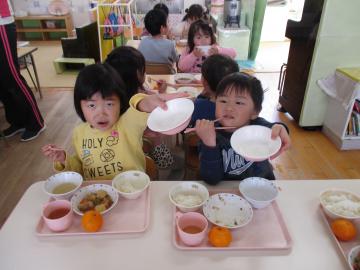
{"points": [[195, 27], [99, 78], [162, 7], [241, 82], [153, 21], [216, 67], [128, 62]]}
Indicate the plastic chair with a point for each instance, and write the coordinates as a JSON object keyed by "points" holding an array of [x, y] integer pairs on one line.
{"points": [[192, 162], [158, 68]]}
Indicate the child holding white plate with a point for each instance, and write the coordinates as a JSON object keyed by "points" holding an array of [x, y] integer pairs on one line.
{"points": [[238, 103], [200, 36], [130, 65], [110, 139]]}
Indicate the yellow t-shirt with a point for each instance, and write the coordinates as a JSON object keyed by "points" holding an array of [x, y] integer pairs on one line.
{"points": [[101, 155]]}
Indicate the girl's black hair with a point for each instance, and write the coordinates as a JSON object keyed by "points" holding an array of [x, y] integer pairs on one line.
{"points": [[128, 62], [195, 11], [99, 78], [241, 82], [195, 27], [216, 67], [162, 7]]}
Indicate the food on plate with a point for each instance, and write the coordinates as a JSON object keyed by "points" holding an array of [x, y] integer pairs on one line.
{"points": [[63, 188], [99, 201], [92, 221], [188, 200], [343, 229], [356, 263], [219, 236], [342, 204]]}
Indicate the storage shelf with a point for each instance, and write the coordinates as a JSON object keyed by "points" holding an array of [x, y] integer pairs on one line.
{"points": [[37, 27]]}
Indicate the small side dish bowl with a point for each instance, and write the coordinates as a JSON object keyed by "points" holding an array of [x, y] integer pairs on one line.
{"points": [[354, 257], [254, 143], [259, 192], [63, 185], [184, 78], [131, 184], [188, 196], [172, 120], [193, 92], [338, 203], [100, 195]]}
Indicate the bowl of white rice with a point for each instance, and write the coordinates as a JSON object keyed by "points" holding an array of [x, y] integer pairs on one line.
{"points": [[339, 203], [188, 196], [131, 184]]}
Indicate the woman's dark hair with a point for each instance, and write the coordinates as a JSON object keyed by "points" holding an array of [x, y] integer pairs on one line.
{"points": [[195, 27], [99, 78], [128, 62], [216, 67], [195, 11], [241, 82], [162, 7], [153, 21]]}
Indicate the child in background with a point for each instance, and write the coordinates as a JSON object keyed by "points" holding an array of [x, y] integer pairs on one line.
{"points": [[200, 34], [193, 13], [130, 65], [213, 70], [238, 103], [159, 6], [110, 139], [156, 48]]}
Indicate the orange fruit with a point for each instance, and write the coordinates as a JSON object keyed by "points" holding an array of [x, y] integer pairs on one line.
{"points": [[343, 229], [219, 236], [92, 221]]}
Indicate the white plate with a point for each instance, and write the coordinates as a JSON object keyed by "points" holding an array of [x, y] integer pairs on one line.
{"points": [[193, 92], [81, 193], [254, 143], [228, 210], [179, 111]]}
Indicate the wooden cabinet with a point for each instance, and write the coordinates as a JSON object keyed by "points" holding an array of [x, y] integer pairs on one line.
{"points": [[45, 27]]}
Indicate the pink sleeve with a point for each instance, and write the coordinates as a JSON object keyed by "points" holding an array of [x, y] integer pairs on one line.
{"points": [[187, 61], [227, 51]]}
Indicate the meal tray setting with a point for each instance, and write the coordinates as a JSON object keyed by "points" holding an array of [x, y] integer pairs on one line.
{"points": [[344, 247], [266, 231], [128, 216]]}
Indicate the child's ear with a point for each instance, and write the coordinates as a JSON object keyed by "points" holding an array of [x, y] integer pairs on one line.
{"points": [[254, 115]]}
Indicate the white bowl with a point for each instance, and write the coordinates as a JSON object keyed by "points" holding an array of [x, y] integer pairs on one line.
{"points": [[193, 92], [131, 184], [338, 203], [188, 196], [84, 191], [254, 143], [205, 49], [63, 178], [353, 253], [181, 42], [259, 192], [228, 210], [184, 78], [178, 112]]}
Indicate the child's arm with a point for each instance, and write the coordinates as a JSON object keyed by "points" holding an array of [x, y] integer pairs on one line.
{"points": [[215, 49], [211, 165], [147, 103]]}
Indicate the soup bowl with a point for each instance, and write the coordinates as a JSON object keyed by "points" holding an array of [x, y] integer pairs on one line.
{"points": [[63, 185]]}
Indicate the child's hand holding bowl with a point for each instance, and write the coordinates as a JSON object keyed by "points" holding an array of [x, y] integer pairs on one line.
{"points": [[278, 130], [198, 52]]}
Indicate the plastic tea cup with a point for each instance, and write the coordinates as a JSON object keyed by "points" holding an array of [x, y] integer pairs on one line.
{"points": [[192, 227], [58, 215]]}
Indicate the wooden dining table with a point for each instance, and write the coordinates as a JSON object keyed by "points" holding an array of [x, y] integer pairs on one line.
{"points": [[298, 200]]}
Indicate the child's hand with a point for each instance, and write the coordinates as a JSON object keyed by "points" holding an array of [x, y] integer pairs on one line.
{"points": [[161, 85], [198, 52], [206, 131], [278, 130], [213, 50], [150, 102], [54, 153]]}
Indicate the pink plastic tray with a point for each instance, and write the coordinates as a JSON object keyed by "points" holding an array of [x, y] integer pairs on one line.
{"points": [[266, 231], [344, 247], [128, 216]]}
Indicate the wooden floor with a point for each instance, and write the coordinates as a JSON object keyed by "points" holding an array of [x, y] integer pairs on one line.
{"points": [[312, 155]]}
